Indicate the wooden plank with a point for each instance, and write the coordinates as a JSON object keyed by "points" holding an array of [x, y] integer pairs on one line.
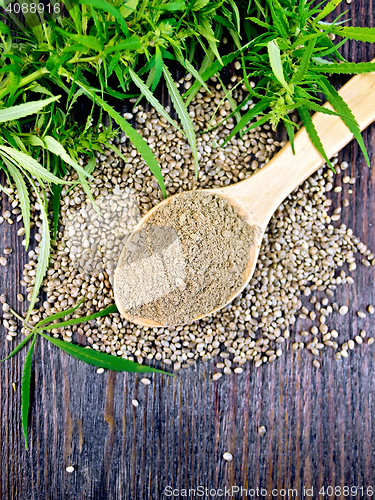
{"points": [[320, 429]]}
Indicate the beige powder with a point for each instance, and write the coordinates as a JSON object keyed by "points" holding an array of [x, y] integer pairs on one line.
{"points": [[187, 260]]}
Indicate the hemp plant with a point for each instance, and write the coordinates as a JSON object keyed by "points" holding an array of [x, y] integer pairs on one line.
{"points": [[85, 354], [93, 55], [291, 59]]}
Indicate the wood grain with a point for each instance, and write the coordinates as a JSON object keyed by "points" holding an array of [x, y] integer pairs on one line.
{"points": [[320, 424]]}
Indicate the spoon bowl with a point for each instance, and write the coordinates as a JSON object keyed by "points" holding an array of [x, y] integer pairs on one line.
{"points": [[248, 272], [258, 196]]}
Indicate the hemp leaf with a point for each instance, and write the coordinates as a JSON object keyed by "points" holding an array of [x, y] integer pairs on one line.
{"points": [[85, 354], [100, 359], [25, 388]]}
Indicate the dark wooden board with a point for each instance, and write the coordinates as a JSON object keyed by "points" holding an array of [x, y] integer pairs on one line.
{"points": [[320, 423]]}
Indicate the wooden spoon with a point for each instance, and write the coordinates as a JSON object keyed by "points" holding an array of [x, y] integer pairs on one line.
{"points": [[259, 196]]}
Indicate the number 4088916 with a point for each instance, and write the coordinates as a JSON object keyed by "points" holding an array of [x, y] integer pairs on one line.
{"points": [[346, 491], [33, 8]]}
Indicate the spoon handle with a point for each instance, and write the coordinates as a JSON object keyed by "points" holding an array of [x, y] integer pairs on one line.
{"points": [[263, 192]]}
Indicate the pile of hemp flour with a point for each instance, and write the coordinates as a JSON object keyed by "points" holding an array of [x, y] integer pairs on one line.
{"points": [[186, 260]]}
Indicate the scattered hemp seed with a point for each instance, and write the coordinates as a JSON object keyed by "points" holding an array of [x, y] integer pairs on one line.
{"points": [[70, 469], [371, 309], [20, 297], [370, 340], [262, 430], [135, 403], [361, 314], [100, 370], [3, 261], [7, 251], [358, 339], [145, 381], [351, 344], [316, 363], [363, 333], [228, 456], [314, 330], [216, 376], [343, 310]]}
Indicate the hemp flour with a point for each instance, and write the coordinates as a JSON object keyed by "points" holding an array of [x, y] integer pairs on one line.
{"points": [[186, 260]]}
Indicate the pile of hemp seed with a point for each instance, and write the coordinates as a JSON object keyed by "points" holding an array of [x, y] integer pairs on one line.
{"points": [[303, 254]]}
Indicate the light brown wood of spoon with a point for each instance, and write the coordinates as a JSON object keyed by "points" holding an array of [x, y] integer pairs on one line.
{"points": [[258, 197]]}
